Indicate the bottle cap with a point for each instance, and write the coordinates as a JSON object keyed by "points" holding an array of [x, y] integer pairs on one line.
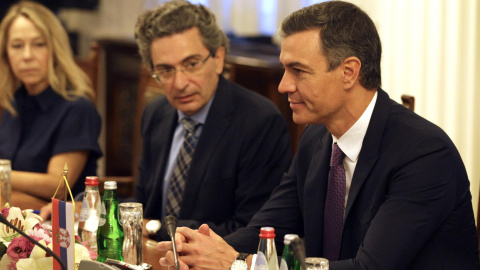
{"points": [[289, 238], [110, 185], [91, 181], [267, 232]]}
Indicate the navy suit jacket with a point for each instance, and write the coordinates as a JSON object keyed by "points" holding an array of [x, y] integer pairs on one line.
{"points": [[240, 157], [409, 204]]}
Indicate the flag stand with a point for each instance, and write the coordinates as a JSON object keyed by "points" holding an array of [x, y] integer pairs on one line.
{"points": [[63, 226]]}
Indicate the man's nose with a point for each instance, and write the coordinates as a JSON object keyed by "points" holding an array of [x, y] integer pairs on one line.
{"points": [[180, 79], [286, 84]]}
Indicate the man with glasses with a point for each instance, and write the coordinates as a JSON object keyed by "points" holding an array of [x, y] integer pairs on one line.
{"points": [[212, 150]]}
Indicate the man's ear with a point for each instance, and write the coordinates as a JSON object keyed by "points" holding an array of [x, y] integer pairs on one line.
{"points": [[219, 58], [351, 71]]}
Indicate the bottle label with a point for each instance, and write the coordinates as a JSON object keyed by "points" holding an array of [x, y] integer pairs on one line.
{"points": [[103, 214], [261, 261], [91, 224], [84, 212]]}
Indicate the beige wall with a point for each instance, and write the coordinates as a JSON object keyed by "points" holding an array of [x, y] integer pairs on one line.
{"points": [[431, 50]]}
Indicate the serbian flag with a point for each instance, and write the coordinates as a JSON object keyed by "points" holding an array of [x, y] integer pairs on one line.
{"points": [[63, 234]]}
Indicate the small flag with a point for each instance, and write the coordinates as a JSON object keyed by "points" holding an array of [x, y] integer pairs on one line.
{"points": [[63, 233]]}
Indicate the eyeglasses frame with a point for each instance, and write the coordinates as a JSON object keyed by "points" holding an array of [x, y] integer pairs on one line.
{"points": [[182, 69]]}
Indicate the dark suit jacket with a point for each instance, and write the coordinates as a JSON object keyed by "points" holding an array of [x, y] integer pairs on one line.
{"points": [[409, 205], [239, 159]]}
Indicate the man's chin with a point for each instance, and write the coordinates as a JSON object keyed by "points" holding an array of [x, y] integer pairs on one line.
{"points": [[188, 109], [299, 120], [305, 119]]}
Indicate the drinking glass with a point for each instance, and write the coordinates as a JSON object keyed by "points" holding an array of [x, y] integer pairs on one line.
{"points": [[131, 218], [5, 185], [316, 263]]}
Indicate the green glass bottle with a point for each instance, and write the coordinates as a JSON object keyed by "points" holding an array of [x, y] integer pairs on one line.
{"points": [[290, 260], [110, 232]]}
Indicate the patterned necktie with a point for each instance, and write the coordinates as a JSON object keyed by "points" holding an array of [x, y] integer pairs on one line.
{"points": [[182, 165], [334, 205]]}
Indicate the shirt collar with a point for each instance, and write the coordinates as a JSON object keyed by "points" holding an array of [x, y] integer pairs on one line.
{"points": [[351, 142], [200, 116], [44, 99]]}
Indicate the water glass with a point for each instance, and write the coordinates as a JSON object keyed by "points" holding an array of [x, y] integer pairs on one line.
{"points": [[315, 263], [5, 186], [131, 218]]}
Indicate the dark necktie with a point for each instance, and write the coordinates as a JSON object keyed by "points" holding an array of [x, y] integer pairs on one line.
{"points": [[180, 171], [334, 205]]}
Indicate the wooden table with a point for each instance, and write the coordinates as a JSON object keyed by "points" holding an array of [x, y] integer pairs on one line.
{"points": [[151, 255]]}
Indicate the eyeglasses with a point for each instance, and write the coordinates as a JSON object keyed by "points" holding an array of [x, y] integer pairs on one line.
{"points": [[190, 67]]}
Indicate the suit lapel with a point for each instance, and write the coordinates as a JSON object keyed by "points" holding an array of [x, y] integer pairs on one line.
{"points": [[217, 122], [370, 147], [161, 141], [315, 192]]}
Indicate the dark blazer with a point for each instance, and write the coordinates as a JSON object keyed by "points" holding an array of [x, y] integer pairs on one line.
{"points": [[239, 159], [409, 205]]}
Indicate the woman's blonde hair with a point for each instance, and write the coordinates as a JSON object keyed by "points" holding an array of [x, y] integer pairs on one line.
{"points": [[64, 75]]}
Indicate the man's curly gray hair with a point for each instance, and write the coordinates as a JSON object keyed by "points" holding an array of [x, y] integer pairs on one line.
{"points": [[174, 17]]}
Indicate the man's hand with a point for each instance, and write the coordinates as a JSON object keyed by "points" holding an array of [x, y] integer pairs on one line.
{"points": [[202, 249], [166, 246]]}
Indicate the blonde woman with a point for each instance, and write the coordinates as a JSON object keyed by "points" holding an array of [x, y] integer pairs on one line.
{"points": [[48, 116]]}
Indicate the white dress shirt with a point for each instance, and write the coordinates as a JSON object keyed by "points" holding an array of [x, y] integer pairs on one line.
{"points": [[351, 143]]}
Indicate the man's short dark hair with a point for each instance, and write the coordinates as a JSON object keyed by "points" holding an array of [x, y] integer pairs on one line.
{"points": [[345, 31]]}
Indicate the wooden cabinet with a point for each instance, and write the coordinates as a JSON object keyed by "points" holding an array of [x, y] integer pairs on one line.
{"points": [[258, 68], [122, 67]]}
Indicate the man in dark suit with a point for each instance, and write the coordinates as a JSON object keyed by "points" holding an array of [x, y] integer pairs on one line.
{"points": [[240, 146], [405, 201]]}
